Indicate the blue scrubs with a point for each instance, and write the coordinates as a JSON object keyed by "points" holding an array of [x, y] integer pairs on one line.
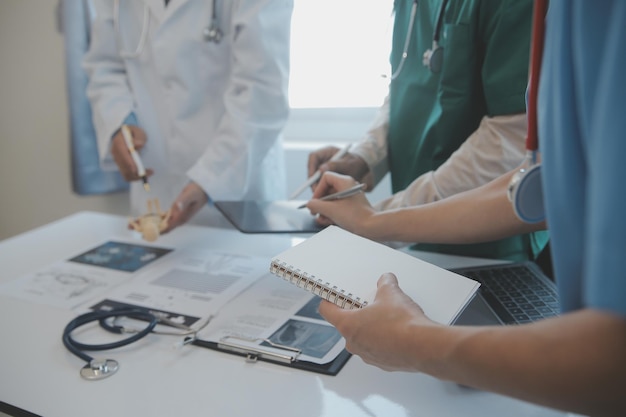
{"points": [[582, 128]]}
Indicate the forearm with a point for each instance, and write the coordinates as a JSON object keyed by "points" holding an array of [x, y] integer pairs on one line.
{"points": [[479, 215], [494, 148], [574, 362]]}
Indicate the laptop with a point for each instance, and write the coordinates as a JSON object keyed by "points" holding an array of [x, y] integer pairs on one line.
{"points": [[281, 216], [510, 294]]}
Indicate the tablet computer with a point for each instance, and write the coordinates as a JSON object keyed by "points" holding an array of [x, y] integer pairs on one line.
{"points": [[281, 216]]}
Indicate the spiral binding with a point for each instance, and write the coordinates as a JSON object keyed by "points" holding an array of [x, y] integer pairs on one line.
{"points": [[318, 287]]}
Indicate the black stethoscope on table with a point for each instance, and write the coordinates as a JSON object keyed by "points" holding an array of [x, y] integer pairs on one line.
{"points": [[211, 33], [96, 369], [525, 189]]}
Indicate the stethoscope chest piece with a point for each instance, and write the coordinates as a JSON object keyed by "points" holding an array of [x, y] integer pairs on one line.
{"points": [[433, 58], [525, 190], [526, 194], [212, 33], [99, 369]]}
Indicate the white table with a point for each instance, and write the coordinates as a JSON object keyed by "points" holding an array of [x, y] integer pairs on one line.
{"points": [[37, 374]]}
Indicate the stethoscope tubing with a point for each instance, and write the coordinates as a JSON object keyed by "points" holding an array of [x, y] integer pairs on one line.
{"points": [[538, 35], [78, 348], [407, 39], [213, 33]]}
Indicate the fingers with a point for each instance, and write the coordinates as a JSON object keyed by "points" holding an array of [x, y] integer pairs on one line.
{"points": [[387, 283], [139, 137], [387, 279], [332, 182], [187, 204], [322, 220], [332, 313], [319, 157], [372, 332], [350, 164], [352, 213], [122, 156], [390, 294], [179, 214], [388, 291]]}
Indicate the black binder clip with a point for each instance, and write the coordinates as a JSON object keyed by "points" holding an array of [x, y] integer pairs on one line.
{"points": [[253, 354]]}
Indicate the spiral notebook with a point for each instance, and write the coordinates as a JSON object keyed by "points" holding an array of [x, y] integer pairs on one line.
{"points": [[344, 268]]}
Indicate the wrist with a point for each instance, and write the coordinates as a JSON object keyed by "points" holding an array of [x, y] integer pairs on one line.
{"points": [[374, 226], [436, 356], [385, 225]]}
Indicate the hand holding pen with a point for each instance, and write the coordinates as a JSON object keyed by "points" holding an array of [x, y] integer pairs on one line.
{"points": [[318, 173], [349, 209], [124, 148], [349, 192]]}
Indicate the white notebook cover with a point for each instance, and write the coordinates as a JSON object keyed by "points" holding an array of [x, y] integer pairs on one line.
{"points": [[336, 262]]}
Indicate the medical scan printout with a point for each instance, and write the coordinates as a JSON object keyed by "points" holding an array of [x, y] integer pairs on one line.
{"points": [[276, 311], [184, 286], [189, 286], [72, 282], [223, 296]]}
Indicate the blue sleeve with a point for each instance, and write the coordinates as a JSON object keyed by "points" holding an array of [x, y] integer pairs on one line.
{"points": [[605, 266], [583, 141], [131, 119]]}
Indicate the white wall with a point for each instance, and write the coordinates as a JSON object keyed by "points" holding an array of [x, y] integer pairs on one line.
{"points": [[35, 179], [35, 182]]}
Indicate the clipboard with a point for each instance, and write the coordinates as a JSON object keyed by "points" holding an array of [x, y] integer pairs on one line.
{"points": [[281, 216], [288, 358]]}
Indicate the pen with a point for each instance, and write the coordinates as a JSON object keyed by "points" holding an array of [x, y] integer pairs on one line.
{"points": [[141, 171], [316, 177], [341, 194]]}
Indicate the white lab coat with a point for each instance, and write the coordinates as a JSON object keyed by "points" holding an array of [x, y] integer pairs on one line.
{"points": [[212, 112]]}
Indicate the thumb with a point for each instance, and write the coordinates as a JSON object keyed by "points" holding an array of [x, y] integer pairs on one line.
{"points": [[386, 279], [325, 167], [390, 293], [387, 285]]}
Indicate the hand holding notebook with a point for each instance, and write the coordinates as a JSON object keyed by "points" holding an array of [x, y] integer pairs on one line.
{"points": [[344, 268]]}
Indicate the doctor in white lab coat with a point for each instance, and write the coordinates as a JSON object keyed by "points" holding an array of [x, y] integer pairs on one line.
{"points": [[206, 113]]}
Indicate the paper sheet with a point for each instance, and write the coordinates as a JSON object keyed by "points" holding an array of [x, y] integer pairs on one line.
{"points": [[71, 283], [275, 310], [189, 285]]}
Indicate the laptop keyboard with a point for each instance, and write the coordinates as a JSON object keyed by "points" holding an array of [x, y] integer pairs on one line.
{"points": [[518, 293]]}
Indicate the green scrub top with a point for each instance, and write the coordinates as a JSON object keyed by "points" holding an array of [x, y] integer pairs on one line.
{"points": [[486, 47]]}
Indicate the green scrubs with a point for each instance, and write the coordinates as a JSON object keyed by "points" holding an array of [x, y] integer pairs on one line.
{"points": [[486, 46]]}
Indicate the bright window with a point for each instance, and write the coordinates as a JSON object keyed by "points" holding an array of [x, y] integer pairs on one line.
{"points": [[339, 54], [340, 50]]}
